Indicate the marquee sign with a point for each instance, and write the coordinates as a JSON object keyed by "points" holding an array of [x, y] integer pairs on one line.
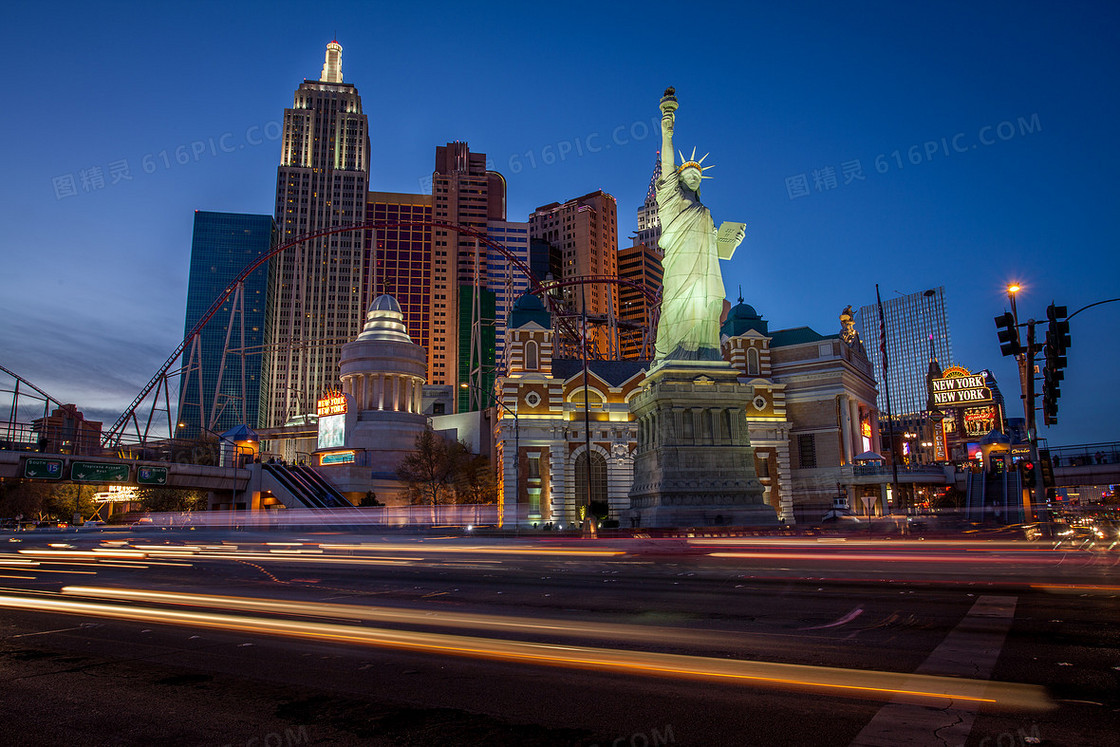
{"points": [[331, 403], [959, 387]]}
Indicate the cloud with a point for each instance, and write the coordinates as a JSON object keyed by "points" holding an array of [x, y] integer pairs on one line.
{"points": [[99, 366]]}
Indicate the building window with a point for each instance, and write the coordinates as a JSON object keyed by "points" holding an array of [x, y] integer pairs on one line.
{"points": [[752, 362], [534, 462], [763, 466], [806, 451], [598, 477], [531, 363]]}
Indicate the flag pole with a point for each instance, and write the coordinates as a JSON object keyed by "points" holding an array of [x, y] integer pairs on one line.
{"points": [[887, 390]]}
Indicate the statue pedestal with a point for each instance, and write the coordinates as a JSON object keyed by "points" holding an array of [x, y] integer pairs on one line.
{"points": [[694, 465]]}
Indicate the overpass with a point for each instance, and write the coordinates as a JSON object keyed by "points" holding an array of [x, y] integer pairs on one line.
{"points": [[96, 470], [252, 486]]}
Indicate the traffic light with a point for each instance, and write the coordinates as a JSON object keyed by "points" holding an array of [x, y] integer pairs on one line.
{"points": [[1057, 341], [1026, 467], [1008, 334]]}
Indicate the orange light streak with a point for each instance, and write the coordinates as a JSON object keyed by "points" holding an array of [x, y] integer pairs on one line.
{"points": [[850, 682]]}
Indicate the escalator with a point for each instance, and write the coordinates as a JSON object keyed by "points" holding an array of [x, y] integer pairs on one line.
{"points": [[326, 492], [300, 487]]}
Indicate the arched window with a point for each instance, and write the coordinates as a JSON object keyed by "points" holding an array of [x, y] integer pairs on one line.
{"points": [[752, 362], [598, 478], [531, 362]]}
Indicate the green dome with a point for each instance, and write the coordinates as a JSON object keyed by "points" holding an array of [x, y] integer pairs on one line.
{"points": [[527, 309], [743, 318]]}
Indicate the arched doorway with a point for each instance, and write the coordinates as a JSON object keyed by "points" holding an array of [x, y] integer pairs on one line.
{"points": [[598, 481]]}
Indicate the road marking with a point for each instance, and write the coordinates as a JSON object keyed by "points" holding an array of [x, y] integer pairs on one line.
{"points": [[970, 650]]}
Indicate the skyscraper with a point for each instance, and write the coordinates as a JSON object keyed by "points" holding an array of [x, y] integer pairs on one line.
{"points": [[649, 225], [402, 262], [584, 230], [503, 278], [319, 290], [464, 193], [222, 246], [639, 264], [911, 324]]}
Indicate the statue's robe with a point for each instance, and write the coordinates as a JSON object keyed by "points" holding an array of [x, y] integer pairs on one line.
{"points": [[692, 288]]}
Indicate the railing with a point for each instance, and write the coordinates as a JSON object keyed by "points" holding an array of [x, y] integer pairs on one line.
{"points": [[1085, 455], [877, 470]]}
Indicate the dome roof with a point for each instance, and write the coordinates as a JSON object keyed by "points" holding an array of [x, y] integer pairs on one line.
{"points": [[527, 309], [385, 302], [743, 311], [741, 318], [385, 322]]}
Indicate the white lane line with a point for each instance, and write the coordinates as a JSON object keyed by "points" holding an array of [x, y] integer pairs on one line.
{"points": [[969, 651]]}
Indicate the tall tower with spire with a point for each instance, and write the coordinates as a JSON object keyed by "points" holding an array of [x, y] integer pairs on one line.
{"points": [[319, 290]]}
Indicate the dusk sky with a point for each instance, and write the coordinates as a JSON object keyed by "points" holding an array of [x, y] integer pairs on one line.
{"points": [[863, 143]]}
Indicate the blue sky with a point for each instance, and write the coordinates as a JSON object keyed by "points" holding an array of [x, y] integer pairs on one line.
{"points": [[985, 138]]}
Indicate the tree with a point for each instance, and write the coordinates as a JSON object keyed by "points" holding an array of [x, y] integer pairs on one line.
{"points": [[25, 498], [171, 499], [369, 500], [431, 469], [476, 481]]}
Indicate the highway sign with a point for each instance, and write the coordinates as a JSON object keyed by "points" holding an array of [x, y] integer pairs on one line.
{"points": [[151, 475], [98, 472], [36, 468]]}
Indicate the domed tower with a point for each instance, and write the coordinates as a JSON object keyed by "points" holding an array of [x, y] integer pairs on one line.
{"points": [[383, 374], [745, 340], [529, 338]]}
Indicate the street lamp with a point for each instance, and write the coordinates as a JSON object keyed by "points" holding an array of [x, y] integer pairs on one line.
{"points": [[516, 449]]}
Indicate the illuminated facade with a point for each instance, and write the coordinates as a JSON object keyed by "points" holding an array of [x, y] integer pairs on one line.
{"points": [[911, 323], [318, 290], [372, 424], [548, 481], [402, 266], [811, 414], [223, 244], [746, 346]]}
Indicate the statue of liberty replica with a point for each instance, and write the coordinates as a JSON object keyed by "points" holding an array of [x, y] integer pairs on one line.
{"points": [[694, 465]]}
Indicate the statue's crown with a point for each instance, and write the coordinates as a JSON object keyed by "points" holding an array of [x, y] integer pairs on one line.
{"points": [[691, 162]]}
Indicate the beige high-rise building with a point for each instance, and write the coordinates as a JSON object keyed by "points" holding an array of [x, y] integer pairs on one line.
{"points": [[466, 194], [584, 231], [318, 291]]}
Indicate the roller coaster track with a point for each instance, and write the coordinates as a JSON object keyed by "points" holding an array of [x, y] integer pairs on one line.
{"points": [[112, 436]]}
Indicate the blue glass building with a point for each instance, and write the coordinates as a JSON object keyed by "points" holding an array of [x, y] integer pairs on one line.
{"points": [[222, 246]]}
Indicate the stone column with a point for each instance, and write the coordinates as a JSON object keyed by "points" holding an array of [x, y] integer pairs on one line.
{"points": [[846, 428], [857, 435]]}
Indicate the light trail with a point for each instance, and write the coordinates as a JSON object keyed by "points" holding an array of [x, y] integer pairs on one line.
{"points": [[85, 554], [881, 557], [429, 618], [921, 689]]}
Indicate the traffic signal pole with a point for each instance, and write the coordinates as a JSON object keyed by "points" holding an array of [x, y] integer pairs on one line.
{"points": [[1028, 407]]}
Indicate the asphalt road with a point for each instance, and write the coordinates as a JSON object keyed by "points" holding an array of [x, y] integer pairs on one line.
{"points": [[232, 638]]}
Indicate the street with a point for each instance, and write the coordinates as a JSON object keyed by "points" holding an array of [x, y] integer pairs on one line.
{"points": [[225, 637]]}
